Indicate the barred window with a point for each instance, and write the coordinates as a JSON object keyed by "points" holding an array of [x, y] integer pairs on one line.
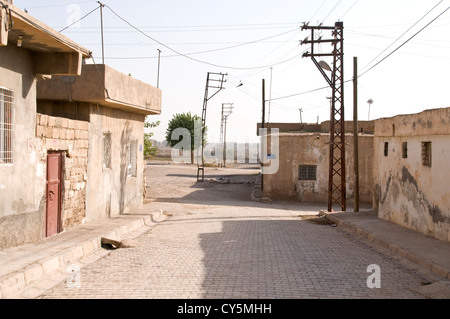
{"points": [[107, 146], [6, 126], [132, 158], [405, 150], [426, 153], [307, 172]]}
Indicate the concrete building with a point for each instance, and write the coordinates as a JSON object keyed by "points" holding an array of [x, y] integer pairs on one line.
{"points": [[97, 121], [412, 179], [28, 50], [304, 163], [71, 149]]}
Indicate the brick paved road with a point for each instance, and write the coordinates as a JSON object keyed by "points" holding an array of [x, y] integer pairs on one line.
{"points": [[236, 248]]}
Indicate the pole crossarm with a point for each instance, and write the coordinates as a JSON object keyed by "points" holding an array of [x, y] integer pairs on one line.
{"points": [[337, 176]]}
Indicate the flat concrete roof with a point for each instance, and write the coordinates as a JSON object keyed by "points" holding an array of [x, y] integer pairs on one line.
{"points": [[37, 36]]}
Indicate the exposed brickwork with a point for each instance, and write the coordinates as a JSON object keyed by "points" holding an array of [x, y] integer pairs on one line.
{"points": [[72, 137]]}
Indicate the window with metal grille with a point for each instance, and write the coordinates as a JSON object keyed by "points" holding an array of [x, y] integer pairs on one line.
{"points": [[107, 143], [132, 158], [307, 172], [426, 153], [405, 150], [6, 126]]}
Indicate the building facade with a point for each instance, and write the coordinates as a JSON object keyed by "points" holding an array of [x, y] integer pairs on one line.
{"points": [[71, 134], [412, 188], [303, 164], [28, 50]]}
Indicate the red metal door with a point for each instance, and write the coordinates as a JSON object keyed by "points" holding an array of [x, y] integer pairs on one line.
{"points": [[53, 195]]}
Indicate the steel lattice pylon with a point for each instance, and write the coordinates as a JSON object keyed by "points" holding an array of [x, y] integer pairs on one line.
{"points": [[213, 81], [337, 175]]}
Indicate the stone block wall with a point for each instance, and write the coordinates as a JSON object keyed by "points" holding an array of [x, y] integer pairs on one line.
{"points": [[72, 138]]}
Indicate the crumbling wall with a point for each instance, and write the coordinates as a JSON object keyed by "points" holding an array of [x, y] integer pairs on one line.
{"points": [[313, 149], [72, 138], [409, 191]]}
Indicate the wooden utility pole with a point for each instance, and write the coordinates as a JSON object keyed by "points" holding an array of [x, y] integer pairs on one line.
{"points": [[355, 133], [262, 126]]}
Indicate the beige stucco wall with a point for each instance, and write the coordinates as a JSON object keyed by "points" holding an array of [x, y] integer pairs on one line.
{"points": [[406, 191], [312, 149], [111, 192], [21, 194]]}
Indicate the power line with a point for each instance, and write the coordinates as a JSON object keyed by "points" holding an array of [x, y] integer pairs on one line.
{"points": [[124, 30], [334, 8], [80, 19], [189, 57], [349, 10], [317, 10], [208, 51], [404, 42], [325, 87], [403, 34]]}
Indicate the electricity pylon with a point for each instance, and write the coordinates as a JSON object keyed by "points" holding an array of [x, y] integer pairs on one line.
{"points": [[337, 181]]}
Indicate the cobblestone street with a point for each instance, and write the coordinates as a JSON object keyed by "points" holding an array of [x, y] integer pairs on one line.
{"points": [[218, 243]]}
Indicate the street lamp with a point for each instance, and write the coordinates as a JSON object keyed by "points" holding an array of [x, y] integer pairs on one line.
{"points": [[370, 102], [324, 65]]}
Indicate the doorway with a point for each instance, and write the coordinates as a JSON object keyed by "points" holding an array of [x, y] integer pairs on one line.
{"points": [[53, 194]]}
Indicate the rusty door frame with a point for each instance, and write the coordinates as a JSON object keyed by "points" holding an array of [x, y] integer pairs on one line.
{"points": [[60, 176]]}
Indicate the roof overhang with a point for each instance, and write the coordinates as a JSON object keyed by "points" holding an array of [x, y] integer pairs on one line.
{"points": [[100, 84], [53, 52]]}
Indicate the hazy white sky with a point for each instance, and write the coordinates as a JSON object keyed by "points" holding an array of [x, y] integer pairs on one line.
{"points": [[255, 39]]}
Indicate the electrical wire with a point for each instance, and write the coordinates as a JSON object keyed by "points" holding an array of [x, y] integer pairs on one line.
{"points": [[403, 34], [80, 19], [211, 50], [317, 10], [334, 8], [404, 42], [189, 57], [349, 10], [395, 50]]}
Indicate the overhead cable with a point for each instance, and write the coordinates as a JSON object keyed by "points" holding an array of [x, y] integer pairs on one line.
{"points": [[189, 57]]}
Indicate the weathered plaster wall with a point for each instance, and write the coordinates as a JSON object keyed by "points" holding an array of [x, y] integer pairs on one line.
{"points": [[111, 191], [313, 149], [72, 138], [21, 200], [406, 191]]}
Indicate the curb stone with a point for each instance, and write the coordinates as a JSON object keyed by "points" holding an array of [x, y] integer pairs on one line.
{"points": [[12, 284], [423, 262]]}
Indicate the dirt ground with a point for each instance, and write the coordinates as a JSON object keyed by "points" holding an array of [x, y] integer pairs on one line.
{"points": [[169, 182]]}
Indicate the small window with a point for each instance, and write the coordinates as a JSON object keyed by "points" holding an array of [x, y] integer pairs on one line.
{"points": [[6, 126], [132, 159], [426, 153], [405, 150], [107, 145], [307, 172], [386, 148]]}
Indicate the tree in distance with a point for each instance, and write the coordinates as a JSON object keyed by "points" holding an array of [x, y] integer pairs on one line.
{"points": [[186, 121], [150, 150]]}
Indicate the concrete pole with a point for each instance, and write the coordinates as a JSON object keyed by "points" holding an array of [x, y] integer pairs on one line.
{"points": [[355, 133]]}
